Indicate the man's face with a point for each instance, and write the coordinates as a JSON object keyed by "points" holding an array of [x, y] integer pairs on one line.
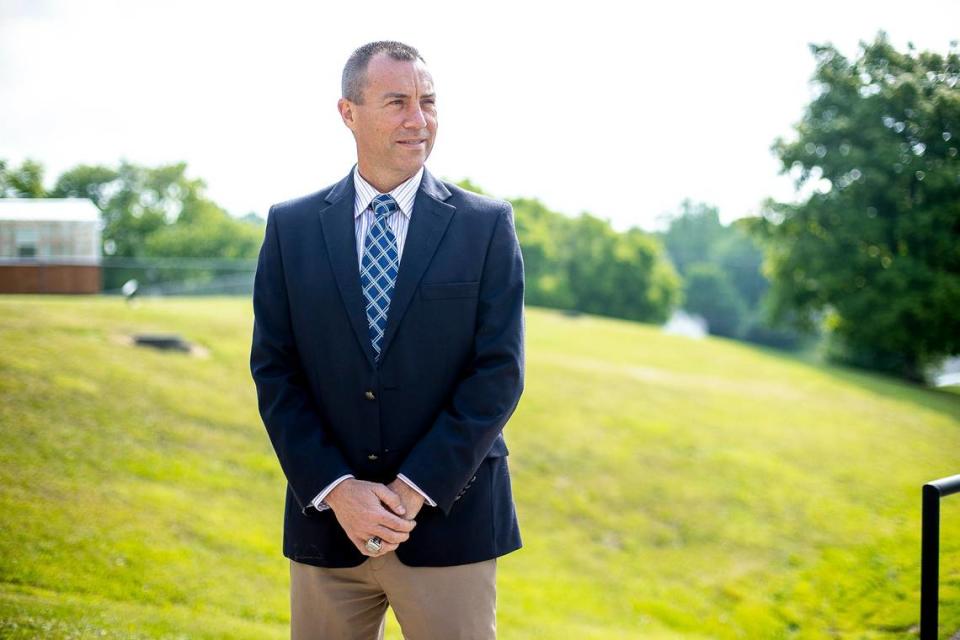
{"points": [[396, 124]]}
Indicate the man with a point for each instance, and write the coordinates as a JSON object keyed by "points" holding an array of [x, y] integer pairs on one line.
{"points": [[388, 356]]}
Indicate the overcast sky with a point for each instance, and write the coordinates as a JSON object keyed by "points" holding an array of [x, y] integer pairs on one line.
{"points": [[590, 106]]}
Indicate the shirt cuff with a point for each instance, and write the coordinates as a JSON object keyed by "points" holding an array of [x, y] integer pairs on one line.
{"points": [[318, 502], [417, 489]]}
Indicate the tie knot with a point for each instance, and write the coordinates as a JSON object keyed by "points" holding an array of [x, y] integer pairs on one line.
{"points": [[383, 205]]}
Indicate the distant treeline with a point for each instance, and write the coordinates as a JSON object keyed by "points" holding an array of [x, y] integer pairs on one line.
{"points": [[698, 264], [869, 259], [152, 215]]}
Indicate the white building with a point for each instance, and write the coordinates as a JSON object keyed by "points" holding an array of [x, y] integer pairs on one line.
{"points": [[49, 245]]}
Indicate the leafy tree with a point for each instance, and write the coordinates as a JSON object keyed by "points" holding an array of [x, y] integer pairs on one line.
{"points": [[875, 248], [693, 234], [623, 275], [543, 235], [85, 181], [695, 237], [740, 256], [589, 247], [653, 285], [254, 219], [25, 181], [205, 231], [158, 212], [134, 201], [709, 293], [583, 264]]}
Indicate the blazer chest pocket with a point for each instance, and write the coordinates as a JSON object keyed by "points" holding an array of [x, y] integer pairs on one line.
{"points": [[442, 290]]}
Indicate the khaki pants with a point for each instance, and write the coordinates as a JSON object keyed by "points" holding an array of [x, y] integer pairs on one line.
{"points": [[430, 603]]}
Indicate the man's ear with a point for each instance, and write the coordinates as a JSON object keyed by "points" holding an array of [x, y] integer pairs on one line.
{"points": [[347, 112]]}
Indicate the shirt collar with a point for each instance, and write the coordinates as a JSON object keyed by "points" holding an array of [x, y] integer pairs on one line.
{"points": [[404, 193]]}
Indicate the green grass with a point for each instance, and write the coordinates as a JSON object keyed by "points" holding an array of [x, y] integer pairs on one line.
{"points": [[667, 488]]}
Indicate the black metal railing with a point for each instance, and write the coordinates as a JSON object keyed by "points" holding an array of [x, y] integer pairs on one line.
{"points": [[930, 554]]}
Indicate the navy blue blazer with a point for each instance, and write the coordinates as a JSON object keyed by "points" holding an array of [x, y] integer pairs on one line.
{"points": [[433, 407]]}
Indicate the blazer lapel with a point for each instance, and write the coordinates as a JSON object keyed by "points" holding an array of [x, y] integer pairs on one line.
{"points": [[339, 233], [431, 215]]}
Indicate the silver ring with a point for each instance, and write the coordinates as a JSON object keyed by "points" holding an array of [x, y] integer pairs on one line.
{"points": [[374, 544]]}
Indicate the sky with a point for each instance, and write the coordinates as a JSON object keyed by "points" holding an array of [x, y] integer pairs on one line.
{"points": [[616, 108]]}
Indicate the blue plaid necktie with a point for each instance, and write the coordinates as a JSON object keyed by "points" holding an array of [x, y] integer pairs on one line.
{"points": [[378, 268]]}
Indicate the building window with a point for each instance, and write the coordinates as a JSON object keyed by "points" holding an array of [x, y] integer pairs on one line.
{"points": [[27, 242]]}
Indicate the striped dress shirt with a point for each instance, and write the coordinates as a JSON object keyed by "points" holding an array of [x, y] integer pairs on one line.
{"points": [[398, 221]]}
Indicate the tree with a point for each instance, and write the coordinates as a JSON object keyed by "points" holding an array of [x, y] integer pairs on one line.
{"points": [[137, 202], [709, 293], [695, 237], [208, 231], [542, 234], [583, 264], [740, 256], [85, 181], [25, 181], [134, 201], [625, 275], [874, 249], [158, 212], [693, 234]]}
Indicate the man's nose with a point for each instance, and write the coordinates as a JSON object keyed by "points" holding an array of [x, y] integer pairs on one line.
{"points": [[415, 118]]}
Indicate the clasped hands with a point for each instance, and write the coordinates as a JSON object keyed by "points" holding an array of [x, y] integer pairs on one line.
{"points": [[367, 509]]}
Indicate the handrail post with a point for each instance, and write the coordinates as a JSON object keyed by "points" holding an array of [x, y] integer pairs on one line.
{"points": [[930, 553]]}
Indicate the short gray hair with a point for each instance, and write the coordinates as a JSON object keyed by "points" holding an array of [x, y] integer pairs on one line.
{"points": [[355, 71]]}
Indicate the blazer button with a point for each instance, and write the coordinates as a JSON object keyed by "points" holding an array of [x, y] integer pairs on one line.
{"points": [[372, 456], [369, 395]]}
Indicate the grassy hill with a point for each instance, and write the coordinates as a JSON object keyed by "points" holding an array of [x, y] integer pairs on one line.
{"points": [[667, 488]]}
